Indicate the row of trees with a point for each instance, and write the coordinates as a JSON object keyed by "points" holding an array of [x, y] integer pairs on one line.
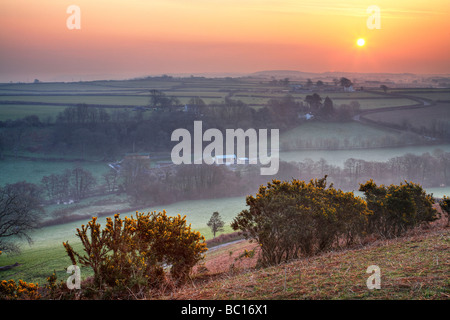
{"points": [[176, 183], [343, 82], [147, 185], [430, 170], [73, 184], [92, 131]]}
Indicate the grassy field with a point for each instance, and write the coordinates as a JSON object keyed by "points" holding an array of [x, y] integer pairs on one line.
{"points": [[428, 93], [108, 99], [19, 111], [347, 135], [416, 118], [137, 93], [366, 104], [15, 170]]}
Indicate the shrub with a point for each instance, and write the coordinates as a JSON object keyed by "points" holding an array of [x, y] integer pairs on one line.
{"points": [[445, 206], [292, 218], [397, 208], [132, 253]]}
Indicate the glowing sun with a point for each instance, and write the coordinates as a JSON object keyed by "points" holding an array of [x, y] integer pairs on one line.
{"points": [[361, 42]]}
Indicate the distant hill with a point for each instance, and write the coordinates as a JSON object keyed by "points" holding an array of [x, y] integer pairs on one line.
{"points": [[293, 74]]}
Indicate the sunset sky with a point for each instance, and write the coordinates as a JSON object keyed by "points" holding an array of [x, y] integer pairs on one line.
{"points": [[123, 39]]}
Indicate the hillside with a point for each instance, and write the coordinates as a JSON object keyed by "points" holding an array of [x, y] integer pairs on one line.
{"points": [[413, 267]]}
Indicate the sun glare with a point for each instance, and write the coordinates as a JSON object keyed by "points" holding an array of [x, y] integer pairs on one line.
{"points": [[361, 42]]}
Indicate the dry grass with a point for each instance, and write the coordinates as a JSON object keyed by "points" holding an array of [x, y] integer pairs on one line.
{"points": [[415, 266]]}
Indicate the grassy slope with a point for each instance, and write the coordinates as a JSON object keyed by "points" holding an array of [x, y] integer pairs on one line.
{"points": [[344, 135], [412, 267], [417, 118], [14, 170]]}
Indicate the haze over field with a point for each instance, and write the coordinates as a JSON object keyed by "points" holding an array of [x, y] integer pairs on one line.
{"points": [[123, 39]]}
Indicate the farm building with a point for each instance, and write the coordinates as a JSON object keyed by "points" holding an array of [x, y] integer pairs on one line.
{"points": [[229, 159], [137, 156], [129, 156], [225, 159], [349, 89]]}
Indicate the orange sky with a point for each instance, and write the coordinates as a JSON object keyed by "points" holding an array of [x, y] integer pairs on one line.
{"points": [[120, 39]]}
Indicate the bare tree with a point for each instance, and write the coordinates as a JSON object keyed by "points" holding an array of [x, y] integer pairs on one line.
{"points": [[82, 182], [111, 178], [20, 206]]}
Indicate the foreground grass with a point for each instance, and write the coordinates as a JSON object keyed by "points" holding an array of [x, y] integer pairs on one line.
{"points": [[413, 267]]}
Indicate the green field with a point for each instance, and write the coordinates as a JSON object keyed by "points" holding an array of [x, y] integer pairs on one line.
{"points": [[320, 135], [122, 100], [47, 254], [14, 170], [417, 118], [137, 92], [15, 111], [427, 93], [366, 104]]}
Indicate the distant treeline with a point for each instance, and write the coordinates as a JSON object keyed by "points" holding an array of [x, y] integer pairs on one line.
{"points": [[108, 133], [146, 186], [186, 182], [429, 170]]}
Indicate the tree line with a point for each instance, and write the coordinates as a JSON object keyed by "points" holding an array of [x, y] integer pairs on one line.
{"points": [[148, 185], [87, 131], [430, 170], [145, 185]]}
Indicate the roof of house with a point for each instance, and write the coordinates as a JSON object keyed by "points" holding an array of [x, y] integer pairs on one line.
{"points": [[226, 156]]}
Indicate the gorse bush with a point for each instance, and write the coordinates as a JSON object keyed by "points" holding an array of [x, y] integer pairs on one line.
{"points": [[397, 208], [133, 253], [445, 206], [289, 219], [10, 290]]}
